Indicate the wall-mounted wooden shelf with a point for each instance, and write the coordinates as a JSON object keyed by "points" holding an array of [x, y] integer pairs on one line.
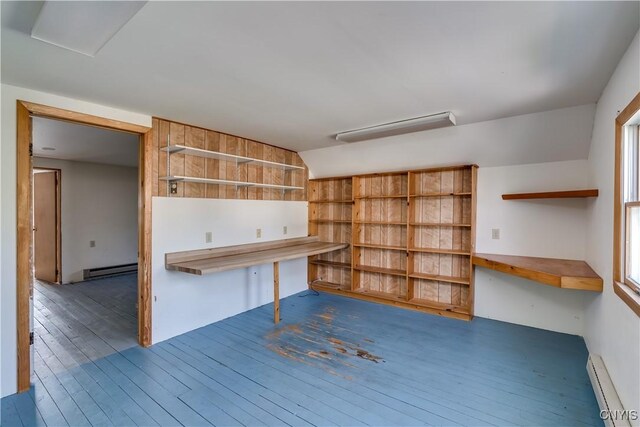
{"points": [[331, 201], [465, 194], [381, 270], [379, 246], [439, 278], [561, 273], [330, 263], [439, 224], [440, 251], [336, 221], [216, 155], [380, 223], [570, 194], [238, 184], [398, 196]]}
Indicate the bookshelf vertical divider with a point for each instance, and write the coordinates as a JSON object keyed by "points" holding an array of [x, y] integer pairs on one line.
{"points": [[412, 234]]}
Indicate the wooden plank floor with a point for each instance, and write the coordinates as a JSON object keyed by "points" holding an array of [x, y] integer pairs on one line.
{"points": [[331, 361]]}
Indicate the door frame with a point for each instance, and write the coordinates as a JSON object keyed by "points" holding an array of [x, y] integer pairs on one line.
{"points": [[24, 252], [58, 173]]}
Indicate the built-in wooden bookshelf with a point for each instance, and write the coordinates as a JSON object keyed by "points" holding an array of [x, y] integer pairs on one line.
{"points": [[412, 234], [330, 218], [439, 247]]}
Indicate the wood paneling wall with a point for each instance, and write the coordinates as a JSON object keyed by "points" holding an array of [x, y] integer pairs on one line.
{"points": [[180, 134]]}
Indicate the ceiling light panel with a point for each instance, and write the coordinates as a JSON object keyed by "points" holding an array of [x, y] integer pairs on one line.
{"points": [[83, 26], [401, 127]]}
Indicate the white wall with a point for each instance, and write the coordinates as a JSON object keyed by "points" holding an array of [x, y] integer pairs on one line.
{"points": [[548, 136], [544, 228], [182, 302], [9, 95], [612, 329], [99, 203]]}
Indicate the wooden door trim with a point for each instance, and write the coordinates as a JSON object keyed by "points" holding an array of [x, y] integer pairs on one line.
{"points": [[24, 251], [58, 173]]}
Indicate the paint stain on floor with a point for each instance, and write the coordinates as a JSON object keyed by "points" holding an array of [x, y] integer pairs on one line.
{"points": [[314, 343]]}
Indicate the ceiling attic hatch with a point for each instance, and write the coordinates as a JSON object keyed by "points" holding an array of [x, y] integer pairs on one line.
{"points": [[82, 27], [400, 127]]}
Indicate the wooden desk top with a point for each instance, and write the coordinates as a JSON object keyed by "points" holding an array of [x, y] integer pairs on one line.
{"points": [[562, 273], [205, 261]]}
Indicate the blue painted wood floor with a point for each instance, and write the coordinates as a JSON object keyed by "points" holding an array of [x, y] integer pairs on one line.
{"points": [[331, 361]]}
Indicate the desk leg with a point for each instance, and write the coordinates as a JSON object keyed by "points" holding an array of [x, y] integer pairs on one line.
{"points": [[276, 292]]}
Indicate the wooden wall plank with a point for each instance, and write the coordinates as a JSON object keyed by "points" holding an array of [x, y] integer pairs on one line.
{"points": [[212, 166], [194, 166]]}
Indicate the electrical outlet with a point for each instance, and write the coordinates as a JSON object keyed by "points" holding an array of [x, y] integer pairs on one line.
{"points": [[495, 233], [208, 237], [258, 233], [284, 230], [92, 243]]}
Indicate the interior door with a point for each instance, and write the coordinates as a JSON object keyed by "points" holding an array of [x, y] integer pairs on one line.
{"points": [[45, 231]]}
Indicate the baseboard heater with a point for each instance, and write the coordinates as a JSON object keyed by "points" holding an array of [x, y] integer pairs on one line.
{"points": [[611, 409], [114, 270]]}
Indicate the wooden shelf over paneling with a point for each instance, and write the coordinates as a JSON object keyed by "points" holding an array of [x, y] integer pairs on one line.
{"points": [[330, 201], [381, 270], [561, 273], [239, 184], [216, 155], [441, 251], [570, 194], [439, 306], [439, 278], [374, 246], [324, 285], [379, 223], [398, 301], [329, 263], [336, 221], [440, 195], [439, 224], [399, 196]]}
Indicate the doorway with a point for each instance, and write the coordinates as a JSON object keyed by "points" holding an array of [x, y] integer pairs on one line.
{"points": [[25, 223], [47, 250]]}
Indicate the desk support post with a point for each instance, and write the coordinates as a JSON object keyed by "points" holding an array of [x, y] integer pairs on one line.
{"points": [[276, 292]]}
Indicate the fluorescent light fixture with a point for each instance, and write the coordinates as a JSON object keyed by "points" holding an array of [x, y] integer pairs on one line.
{"points": [[417, 124], [82, 26]]}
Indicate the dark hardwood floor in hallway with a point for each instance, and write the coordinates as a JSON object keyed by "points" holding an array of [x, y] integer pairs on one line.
{"points": [[83, 321]]}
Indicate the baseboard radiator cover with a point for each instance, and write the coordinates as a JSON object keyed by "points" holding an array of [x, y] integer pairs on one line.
{"points": [[606, 394], [113, 270]]}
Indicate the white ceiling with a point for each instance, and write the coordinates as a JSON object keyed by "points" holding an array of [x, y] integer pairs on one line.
{"points": [[84, 143], [294, 74]]}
